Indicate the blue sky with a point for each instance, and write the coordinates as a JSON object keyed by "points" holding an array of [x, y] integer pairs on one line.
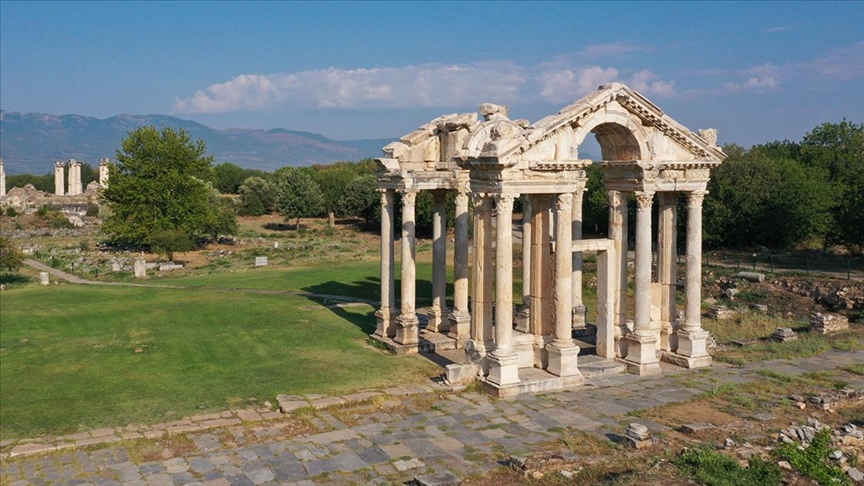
{"points": [[756, 71]]}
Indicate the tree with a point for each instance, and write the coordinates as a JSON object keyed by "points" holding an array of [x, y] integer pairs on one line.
{"points": [[838, 149], [157, 185], [44, 183], [333, 180], [257, 197], [227, 178], [360, 198], [297, 195], [11, 258]]}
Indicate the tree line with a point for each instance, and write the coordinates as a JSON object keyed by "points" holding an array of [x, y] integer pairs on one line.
{"points": [[165, 192]]}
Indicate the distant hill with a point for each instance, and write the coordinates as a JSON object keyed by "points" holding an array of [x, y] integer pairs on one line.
{"points": [[31, 142]]}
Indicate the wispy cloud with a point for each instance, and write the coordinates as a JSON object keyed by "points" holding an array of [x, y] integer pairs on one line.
{"points": [[758, 79], [779, 28], [425, 85]]}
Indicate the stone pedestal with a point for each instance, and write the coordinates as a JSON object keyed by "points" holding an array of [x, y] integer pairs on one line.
{"points": [[692, 349], [140, 267], [503, 370], [562, 360], [44, 279], [407, 329], [642, 353]]}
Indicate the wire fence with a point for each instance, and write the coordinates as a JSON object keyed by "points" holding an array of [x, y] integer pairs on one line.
{"points": [[847, 267]]}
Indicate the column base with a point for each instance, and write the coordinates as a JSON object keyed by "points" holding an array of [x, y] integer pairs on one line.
{"points": [[642, 353], [563, 360], [503, 370], [668, 335], [437, 320], [686, 361], [693, 344], [386, 326], [579, 317], [407, 329], [459, 327]]}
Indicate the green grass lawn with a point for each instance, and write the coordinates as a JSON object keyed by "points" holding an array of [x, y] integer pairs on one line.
{"points": [[69, 359]]}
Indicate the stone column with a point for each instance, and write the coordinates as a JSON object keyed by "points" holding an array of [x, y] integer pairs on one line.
{"points": [[618, 234], [103, 172], [387, 313], [642, 342], [407, 325], [438, 312], [522, 315], [482, 278], [503, 362], [59, 178], [140, 267], [74, 177], [541, 316], [562, 350], [692, 339], [2, 179], [667, 271], [576, 230], [460, 318]]}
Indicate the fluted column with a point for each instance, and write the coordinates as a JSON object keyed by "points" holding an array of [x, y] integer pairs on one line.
{"points": [[642, 342], [667, 273], [541, 316], [503, 362], [407, 329], [562, 350], [576, 230], [460, 318], [692, 338], [59, 178], [387, 312], [438, 312]]}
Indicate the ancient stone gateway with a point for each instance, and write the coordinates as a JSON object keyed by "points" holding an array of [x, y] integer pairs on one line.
{"points": [[492, 160]]}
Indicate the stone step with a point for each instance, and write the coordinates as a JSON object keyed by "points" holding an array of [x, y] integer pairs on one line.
{"points": [[592, 366]]}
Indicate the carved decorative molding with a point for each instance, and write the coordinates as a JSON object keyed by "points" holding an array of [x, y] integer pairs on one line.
{"points": [[644, 200]]}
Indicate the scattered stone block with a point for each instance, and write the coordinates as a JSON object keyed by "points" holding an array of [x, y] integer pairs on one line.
{"points": [[763, 308], [164, 267], [855, 474], [784, 334], [403, 466], [260, 261], [752, 276], [828, 323], [638, 435], [696, 428], [140, 267], [730, 293], [461, 374], [721, 312], [531, 466], [742, 343], [44, 279], [327, 402], [445, 478]]}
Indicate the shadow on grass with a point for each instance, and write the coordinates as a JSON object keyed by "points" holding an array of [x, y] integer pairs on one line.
{"points": [[14, 279], [280, 226], [368, 290]]}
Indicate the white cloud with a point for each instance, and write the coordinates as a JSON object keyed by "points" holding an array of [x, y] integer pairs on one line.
{"points": [[569, 85], [605, 51], [758, 79], [427, 85], [649, 83]]}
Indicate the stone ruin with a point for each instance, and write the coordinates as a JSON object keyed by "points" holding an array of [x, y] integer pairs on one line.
{"points": [[73, 202], [488, 161]]}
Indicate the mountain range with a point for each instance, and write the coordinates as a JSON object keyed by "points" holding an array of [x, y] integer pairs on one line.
{"points": [[31, 142]]}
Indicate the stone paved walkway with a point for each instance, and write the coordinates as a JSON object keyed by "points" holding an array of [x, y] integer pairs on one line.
{"points": [[463, 433]]}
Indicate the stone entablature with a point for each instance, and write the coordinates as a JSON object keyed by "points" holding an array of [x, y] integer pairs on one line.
{"points": [[490, 160]]}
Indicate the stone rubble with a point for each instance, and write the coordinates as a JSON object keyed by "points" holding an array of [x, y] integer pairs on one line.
{"points": [[784, 334], [828, 323]]}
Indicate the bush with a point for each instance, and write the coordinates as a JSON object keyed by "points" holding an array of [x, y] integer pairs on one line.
{"points": [[10, 211], [92, 210], [166, 242]]}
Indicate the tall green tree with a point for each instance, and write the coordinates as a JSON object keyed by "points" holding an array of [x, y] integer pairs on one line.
{"points": [[297, 195], [228, 177], [257, 197], [11, 258], [157, 185], [838, 149], [333, 180], [360, 198]]}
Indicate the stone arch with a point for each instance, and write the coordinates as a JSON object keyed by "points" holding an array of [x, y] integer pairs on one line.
{"points": [[620, 137]]}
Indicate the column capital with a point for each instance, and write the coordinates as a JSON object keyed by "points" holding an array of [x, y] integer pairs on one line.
{"points": [[695, 198], [579, 194], [616, 198], [504, 203], [409, 196], [462, 199], [59, 164], [481, 201], [386, 196], [564, 202], [644, 199]]}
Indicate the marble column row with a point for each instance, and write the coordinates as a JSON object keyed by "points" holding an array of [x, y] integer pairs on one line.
{"points": [[641, 344]]}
